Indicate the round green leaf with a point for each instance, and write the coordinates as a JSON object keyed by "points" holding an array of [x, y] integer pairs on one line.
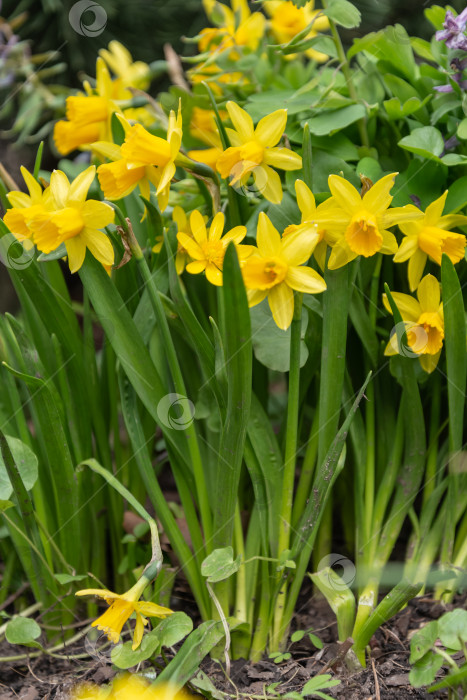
{"points": [[271, 345], [26, 462], [452, 629], [220, 564], [174, 628], [425, 141], [22, 630]]}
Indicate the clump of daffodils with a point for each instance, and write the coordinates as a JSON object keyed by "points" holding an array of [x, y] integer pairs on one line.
{"points": [[129, 687]]}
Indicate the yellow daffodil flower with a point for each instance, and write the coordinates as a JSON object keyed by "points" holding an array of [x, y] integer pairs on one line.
{"points": [[207, 249], [121, 607], [129, 687], [119, 60], [430, 236], [26, 206], [360, 223], [276, 268], [183, 226], [142, 159], [74, 221], [288, 20], [311, 224], [236, 27], [88, 115], [424, 323], [254, 151]]}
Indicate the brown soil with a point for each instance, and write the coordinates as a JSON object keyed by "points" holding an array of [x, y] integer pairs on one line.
{"points": [[386, 677]]}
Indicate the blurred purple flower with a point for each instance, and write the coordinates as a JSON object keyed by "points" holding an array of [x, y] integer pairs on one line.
{"points": [[453, 32], [458, 65]]}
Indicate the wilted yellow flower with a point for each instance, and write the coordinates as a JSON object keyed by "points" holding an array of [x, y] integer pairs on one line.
{"points": [[360, 223], [288, 20], [74, 221], [207, 249], [121, 607], [119, 60], [276, 268], [430, 236], [26, 206], [254, 151], [424, 323], [236, 27]]}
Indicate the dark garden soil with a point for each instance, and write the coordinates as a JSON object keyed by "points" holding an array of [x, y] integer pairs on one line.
{"points": [[386, 678]]}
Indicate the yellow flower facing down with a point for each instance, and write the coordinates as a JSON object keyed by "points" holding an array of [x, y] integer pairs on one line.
{"points": [[129, 687], [288, 20], [236, 27], [360, 224], [119, 60], [74, 221], [207, 249], [254, 151], [26, 206], [423, 321], [430, 236], [276, 269], [122, 607], [142, 159]]}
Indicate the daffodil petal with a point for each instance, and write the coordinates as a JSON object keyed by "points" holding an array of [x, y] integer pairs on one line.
{"points": [[429, 362], [167, 174], [305, 200], [406, 249], [281, 303], [409, 307], [282, 158], [152, 609], [268, 239], [139, 631], [451, 220], [101, 592], [428, 293], [271, 127], [345, 194], [35, 190], [81, 184], [340, 255], [76, 251], [304, 279], [97, 214], [434, 210], [241, 120], [236, 234], [268, 182], [415, 269], [60, 188], [196, 266], [399, 215], [180, 218], [99, 244], [297, 247], [256, 296], [19, 200], [378, 199], [389, 244]]}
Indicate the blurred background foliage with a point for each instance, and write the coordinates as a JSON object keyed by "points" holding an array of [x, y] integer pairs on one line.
{"points": [[144, 26]]}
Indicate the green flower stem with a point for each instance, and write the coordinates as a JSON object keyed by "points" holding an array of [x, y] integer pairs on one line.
{"points": [[348, 78], [261, 633], [290, 457], [179, 384], [432, 458], [370, 462], [240, 583]]}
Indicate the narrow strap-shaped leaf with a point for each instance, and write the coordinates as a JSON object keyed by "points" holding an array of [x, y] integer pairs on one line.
{"points": [[236, 331]]}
